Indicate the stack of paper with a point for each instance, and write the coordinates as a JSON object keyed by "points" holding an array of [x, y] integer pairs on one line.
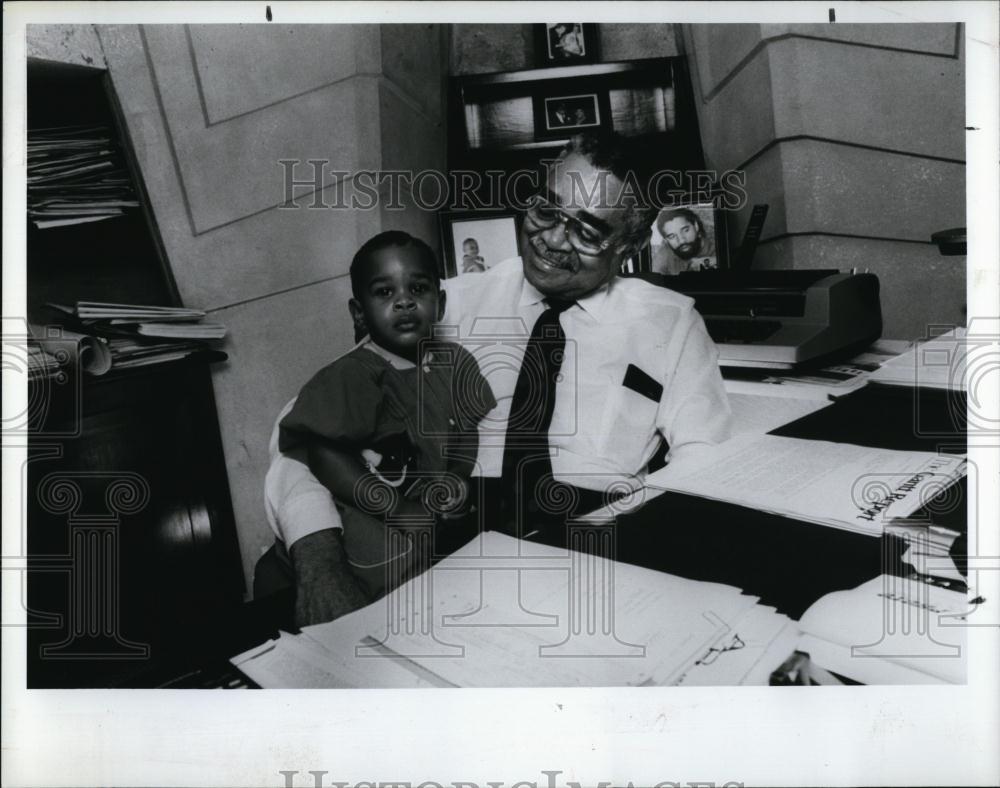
{"points": [[759, 643], [126, 353], [889, 630], [824, 384], [505, 613], [123, 314], [75, 175], [839, 484], [138, 335], [53, 350], [939, 363], [181, 331]]}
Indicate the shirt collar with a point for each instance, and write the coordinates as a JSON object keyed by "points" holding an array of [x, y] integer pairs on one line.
{"points": [[593, 303], [396, 362]]}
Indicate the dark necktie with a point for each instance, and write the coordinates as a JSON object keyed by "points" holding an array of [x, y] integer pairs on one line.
{"points": [[526, 459]]}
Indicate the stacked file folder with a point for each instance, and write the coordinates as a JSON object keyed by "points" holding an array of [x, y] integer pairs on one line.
{"points": [[135, 335], [75, 175]]}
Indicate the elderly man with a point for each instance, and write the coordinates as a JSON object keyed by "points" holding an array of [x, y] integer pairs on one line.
{"points": [[591, 372], [688, 246]]}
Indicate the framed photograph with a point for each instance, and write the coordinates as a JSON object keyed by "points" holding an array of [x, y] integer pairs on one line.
{"points": [[689, 237], [475, 241], [649, 100], [559, 115], [572, 112], [565, 43]]}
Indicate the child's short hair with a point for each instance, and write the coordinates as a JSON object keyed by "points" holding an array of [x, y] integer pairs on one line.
{"points": [[387, 240], [470, 240]]}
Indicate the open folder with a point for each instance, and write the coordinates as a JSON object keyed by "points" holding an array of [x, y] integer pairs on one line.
{"points": [[501, 612]]}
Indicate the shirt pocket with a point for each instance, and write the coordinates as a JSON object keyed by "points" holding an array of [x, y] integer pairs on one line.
{"points": [[628, 429]]}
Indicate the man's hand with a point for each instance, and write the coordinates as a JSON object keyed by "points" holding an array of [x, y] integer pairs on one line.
{"points": [[325, 589]]}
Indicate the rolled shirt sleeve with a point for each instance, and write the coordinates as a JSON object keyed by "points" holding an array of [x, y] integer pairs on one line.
{"points": [[695, 411]]}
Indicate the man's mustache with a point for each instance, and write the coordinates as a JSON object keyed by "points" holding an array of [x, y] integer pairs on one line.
{"points": [[559, 257]]}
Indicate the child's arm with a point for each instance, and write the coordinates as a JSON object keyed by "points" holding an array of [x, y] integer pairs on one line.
{"points": [[342, 473], [325, 586]]}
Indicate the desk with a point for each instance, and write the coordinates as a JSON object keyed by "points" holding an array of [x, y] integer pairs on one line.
{"points": [[788, 564], [791, 564], [507, 612]]}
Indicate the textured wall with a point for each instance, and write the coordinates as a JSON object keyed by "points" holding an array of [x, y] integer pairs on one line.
{"points": [[211, 110], [77, 44], [854, 136], [482, 49]]}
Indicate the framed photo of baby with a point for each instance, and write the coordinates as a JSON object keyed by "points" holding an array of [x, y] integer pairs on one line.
{"points": [[475, 241]]}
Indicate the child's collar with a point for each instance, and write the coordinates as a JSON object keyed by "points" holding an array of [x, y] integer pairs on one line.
{"points": [[395, 361]]}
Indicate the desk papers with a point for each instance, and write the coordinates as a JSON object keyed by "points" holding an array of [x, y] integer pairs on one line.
{"points": [[890, 630], [827, 383], [939, 363], [505, 613], [838, 484]]}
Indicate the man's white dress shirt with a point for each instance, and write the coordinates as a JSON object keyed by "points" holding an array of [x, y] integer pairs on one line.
{"points": [[608, 417]]}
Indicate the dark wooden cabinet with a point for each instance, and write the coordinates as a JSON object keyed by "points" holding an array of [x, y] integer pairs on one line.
{"points": [[133, 559]]}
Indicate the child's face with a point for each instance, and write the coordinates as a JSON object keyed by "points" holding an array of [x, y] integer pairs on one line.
{"points": [[400, 300], [470, 248]]}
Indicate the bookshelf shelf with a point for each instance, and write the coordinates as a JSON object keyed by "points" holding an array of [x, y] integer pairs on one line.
{"points": [[131, 540]]}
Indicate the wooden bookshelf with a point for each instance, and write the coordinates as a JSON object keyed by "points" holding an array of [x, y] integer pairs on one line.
{"points": [[134, 561]]}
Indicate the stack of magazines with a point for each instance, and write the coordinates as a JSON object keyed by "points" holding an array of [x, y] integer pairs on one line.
{"points": [[137, 336], [76, 175]]}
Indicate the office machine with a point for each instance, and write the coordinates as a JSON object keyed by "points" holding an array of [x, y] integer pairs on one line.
{"points": [[783, 319]]}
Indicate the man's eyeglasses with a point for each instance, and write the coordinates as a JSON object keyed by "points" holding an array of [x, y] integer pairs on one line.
{"points": [[584, 238]]}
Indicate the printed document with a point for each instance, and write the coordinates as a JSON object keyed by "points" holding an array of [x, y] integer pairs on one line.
{"points": [[840, 484]]}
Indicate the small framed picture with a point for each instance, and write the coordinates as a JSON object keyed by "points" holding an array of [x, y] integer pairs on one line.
{"points": [[565, 43], [475, 241], [558, 116], [572, 112], [689, 237]]}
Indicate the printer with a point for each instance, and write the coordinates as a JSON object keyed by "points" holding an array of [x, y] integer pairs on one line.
{"points": [[784, 319]]}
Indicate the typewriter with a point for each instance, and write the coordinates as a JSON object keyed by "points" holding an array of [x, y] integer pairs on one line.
{"points": [[785, 319]]}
